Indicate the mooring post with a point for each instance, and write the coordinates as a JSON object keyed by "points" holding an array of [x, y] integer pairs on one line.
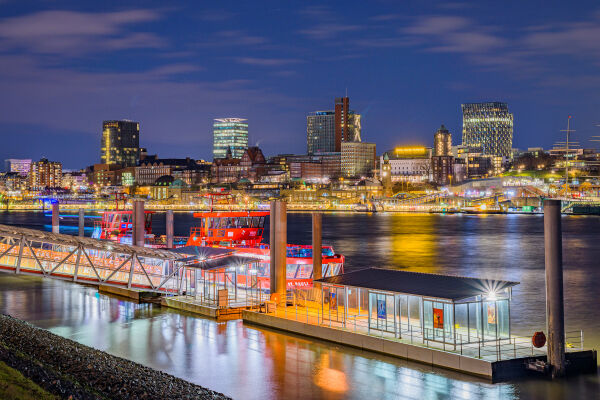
{"points": [[278, 250], [139, 223], [81, 222], [170, 229], [55, 217], [555, 314], [317, 245]]}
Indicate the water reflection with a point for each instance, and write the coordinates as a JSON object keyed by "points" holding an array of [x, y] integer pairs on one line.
{"points": [[247, 362]]}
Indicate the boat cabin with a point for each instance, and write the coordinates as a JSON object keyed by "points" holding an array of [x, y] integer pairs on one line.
{"points": [[228, 228]]}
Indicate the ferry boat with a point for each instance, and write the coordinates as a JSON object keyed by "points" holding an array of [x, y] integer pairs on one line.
{"points": [[118, 226], [243, 232]]}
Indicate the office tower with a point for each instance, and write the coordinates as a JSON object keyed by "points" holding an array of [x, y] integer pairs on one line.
{"points": [[45, 174], [489, 126], [347, 123], [442, 142], [320, 132], [326, 130], [21, 167], [120, 143], [358, 159], [230, 134]]}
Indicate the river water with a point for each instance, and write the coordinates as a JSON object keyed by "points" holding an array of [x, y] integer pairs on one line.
{"points": [[252, 363]]}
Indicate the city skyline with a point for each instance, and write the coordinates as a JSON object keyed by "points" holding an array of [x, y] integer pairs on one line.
{"points": [[175, 70]]}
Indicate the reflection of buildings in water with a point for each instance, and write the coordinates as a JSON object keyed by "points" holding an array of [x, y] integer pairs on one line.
{"points": [[413, 242]]}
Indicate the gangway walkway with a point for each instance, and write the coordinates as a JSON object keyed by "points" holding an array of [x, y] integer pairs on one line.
{"points": [[94, 261]]}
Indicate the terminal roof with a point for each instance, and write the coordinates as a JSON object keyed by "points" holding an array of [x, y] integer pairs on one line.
{"points": [[446, 287]]}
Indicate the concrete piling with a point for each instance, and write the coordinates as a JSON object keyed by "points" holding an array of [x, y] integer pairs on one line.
{"points": [[81, 222], [138, 220], [317, 245], [278, 249], [55, 217], [170, 229], [555, 317]]}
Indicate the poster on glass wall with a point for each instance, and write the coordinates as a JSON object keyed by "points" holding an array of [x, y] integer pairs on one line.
{"points": [[491, 311], [381, 314], [438, 318]]}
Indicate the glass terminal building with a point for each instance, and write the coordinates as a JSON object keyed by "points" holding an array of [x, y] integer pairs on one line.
{"points": [[488, 126], [230, 133]]}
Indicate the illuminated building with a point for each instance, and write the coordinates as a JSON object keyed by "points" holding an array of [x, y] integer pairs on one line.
{"points": [[488, 126], [21, 167], [442, 142], [358, 159], [120, 143], [185, 169], [45, 174], [409, 163], [386, 175], [442, 160], [327, 130], [347, 123], [232, 134]]}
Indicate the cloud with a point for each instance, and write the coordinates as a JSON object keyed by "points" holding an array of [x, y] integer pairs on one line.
{"points": [[72, 32], [326, 24], [451, 34], [268, 62], [580, 39], [232, 38]]}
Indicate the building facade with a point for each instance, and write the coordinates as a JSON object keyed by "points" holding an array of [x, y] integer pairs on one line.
{"points": [[489, 126], [120, 143], [320, 132], [185, 169], [358, 159], [45, 174], [442, 169], [230, 134], [327, 130], [20, 166], [442, 142], [409, 163]]}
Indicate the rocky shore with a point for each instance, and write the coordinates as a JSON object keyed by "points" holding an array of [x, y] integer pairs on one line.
{"points": [[71, 370]]}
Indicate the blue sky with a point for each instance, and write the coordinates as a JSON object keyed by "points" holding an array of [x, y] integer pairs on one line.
{"points": [[174, 66]]}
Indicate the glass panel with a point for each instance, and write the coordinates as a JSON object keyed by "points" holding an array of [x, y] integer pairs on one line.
{"points": [[448, 323], [503, 319], [428, 319]]}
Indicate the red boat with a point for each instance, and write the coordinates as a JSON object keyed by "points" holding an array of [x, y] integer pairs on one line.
{"points": [[243, 231], [118, 226]]}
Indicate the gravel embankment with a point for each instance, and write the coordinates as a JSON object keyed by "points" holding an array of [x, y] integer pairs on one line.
{"points": [[72, 370]]}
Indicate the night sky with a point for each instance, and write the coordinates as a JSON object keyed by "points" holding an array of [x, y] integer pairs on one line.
{"points": [[174, 66]]}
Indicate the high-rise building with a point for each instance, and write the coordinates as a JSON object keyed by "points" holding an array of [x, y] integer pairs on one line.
{"points": [[45, 174], [320, 132], [230, 134], [442, 142], [442, 161], [21, 167], [489, 126], [347, 123], [327, 130], [358, 159], [120, 143]]}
